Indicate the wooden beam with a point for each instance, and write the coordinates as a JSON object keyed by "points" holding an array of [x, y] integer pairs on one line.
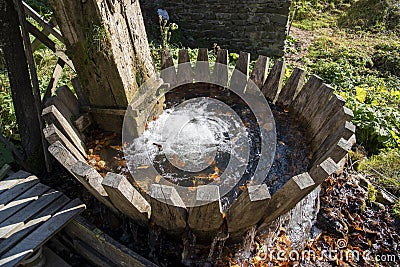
{"points": [[168, 209], [185, 71], [55, 77], [291, 88], [69, 99], [247, 209], [273, 84], [53, 116], [202, 73], [260, 71], [205, 217], [126, 198], [46, 25], [81, 230], [241, 73], [220, 73], [4, 170]]}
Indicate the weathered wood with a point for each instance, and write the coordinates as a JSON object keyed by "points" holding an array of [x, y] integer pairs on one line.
{"points": [[273, 84], [241, 73], [329, 109], [319, 172], [18, 219], [53, 116], [205, 217], [39, 35], [53, 134], [56, 101], [36, 43], [220, 73], [82, 99], [62, 155], [316, 106], [336, 151], [61, 54], [287, 196], [17, 189], [20, 84], [291, 88], [55, 77], [108, 111], [34, 222], [247, 209], [333, 123], [13, 180], [42, 22], [119, 255], [306, 93], [4, 170], [202, 73], [126, 198], [260, 71], [22, 200], [167, 209], [168, 71], [69, 99], [42, 234], [185, 71], [83, 122]]}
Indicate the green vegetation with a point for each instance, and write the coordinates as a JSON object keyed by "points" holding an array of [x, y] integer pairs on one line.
{"points": [[356, 48]]}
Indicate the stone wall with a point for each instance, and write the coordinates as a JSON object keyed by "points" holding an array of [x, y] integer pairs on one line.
{"points": [[256, 26]]}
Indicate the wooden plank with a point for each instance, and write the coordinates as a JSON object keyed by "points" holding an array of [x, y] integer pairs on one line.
{"points": [[335, 122], [12, 180], [4, 170], [52, 115], [55, 77], [168, 72], [306, 93], [56, 101], [260, 71], [167, 209], [39, 35], [202, 73], [18, 189], [329, 109], [288, 196], [317, 106], [91, 254], [335, 152], [53, 134], [185, 71], [82, 99], [18, 219], [69, 99], [126, 198], [104, 111], [241, 73], [291, 88], [273, 84], [246, 211], [319, 172], [19, 233], [80, 229], [22, 200], [220, 73], [61, 54], [63, 156], [42, 234], [205, 217], [46, 25], [36, 43], [83, 122]]}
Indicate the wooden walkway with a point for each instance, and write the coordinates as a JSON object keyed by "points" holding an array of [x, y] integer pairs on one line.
{"points": [[30, 214]]}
